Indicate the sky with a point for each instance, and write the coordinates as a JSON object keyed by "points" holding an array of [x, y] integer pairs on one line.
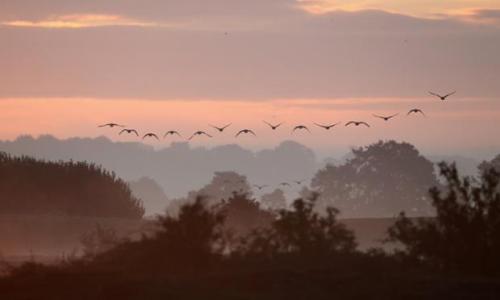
{"points": [[69, 65]]}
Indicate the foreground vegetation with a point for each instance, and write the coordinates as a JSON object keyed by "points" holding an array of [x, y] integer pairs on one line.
{"points": [[298, 253]]}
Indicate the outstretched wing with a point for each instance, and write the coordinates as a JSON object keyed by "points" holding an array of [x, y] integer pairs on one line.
{"points": [[377, 116], [134, 131], [349, 123], [203, 132], [392, 116], [239, 132], [322, 126], [434, 94], [448, 95], [364, 123], [250, 131], [226, 126], [123, 130]]}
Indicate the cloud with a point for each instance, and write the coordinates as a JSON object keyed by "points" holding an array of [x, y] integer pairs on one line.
{"points": [[82, 21], [468, 10], [483, 16]]}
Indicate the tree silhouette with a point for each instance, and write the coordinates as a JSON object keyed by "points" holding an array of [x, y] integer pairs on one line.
{"points": [[465, 235], [379, 180], [31, 186], [303, 232]]}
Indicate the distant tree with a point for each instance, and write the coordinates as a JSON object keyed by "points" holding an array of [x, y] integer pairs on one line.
{"points": [[30, 186], [378, 180], [151, 193], [302, 231], [274, 201], [494, 163], [222, 186], [465, 235]]}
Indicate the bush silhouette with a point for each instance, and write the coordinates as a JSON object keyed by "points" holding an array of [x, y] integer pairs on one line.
{"points": [[465, 234], [31, 186]]}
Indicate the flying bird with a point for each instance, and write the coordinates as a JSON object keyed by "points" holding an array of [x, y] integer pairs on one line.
{"points": [[171, 132], [442, 97], [300, 127], [385, 118], [299, 182], [357, 123], [327, 127], [150, 134], [284, 184], [129, 131], [221, 129], [414, 111], [245, 131], [273, 127], [111, 125], [199, 133], [260, 187]]}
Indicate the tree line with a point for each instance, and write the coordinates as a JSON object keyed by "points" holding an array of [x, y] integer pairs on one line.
{"points": [[31, 186]]}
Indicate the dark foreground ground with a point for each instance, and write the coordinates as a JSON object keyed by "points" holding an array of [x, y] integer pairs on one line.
{"points": [[350, 277]]}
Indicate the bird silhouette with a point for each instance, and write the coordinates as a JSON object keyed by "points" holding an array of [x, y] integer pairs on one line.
{"points": [[414, 111], [300, 127], [442, 97], [299, 182], [150, 134], [284, 184], [260, 187], [245, 131], [327, 127], [385, 118], [129, 131], [357, 123], [199, 133], [111, 125], [221, 129], [171, 132], [273, 127]]}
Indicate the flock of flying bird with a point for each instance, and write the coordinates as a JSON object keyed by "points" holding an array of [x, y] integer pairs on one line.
{"points": [[272, 126]]}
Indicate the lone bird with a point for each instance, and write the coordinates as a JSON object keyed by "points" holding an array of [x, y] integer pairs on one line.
{"points": [[150, 134], [245, 131], [385, 118], [129, 131], [284, 184], [414, 111], [221, 129], [171, 132], [299, 182], [442, 97], [357, 123], [300, 127], [327, 127], [260, 187], [199, 133], [273, 127], [111, 125]]}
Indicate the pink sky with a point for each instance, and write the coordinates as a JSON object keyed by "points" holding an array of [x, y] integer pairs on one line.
{"points": [[456, 126]]}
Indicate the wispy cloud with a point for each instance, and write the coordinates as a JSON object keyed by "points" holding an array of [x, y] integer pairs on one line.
{"points": [[484, 11], [75, 21]]}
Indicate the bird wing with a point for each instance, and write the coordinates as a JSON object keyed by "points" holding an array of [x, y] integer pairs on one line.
{"points": [[434, 94], [322, 126], [226, 126], [203, 132], [420, 111], [448, 95], [135, 131], [268, 124], [104, 125], [390, 117], [239, 132], [191, 137], [155, 136], [175, 132], [377, 116], [349, 123], [250, 131], [120, 131], [364, 123]]}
